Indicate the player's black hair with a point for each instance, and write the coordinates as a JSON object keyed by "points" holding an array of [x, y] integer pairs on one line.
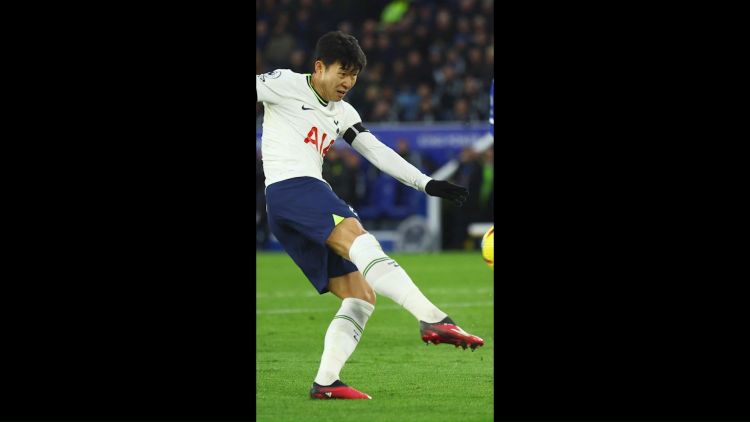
{"points": [[344, 48]]}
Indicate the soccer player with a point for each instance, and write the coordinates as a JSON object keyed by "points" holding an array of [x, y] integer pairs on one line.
{"points": [[304, 115]]}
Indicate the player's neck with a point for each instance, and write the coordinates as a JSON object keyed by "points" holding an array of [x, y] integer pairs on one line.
{"points": [[316, 86]]}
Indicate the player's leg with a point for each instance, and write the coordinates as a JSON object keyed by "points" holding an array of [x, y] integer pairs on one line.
{"points": [[302, 213], [350, 240], [343, 335], [352, 285]]}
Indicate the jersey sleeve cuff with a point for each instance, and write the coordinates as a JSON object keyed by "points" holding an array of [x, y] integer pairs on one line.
{"points": [[422, 182]]}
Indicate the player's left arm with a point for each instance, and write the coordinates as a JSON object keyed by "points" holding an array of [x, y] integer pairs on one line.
{"points": [[388, 161]]}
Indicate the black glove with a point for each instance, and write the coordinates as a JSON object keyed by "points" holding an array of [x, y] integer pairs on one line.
{"points": [[454, 193]]}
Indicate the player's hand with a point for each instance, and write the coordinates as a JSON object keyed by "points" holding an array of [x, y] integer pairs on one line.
{"points": [[454, 193]]}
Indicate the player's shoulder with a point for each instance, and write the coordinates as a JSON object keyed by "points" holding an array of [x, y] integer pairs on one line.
{"points": [[284, 82], [348, 108], [351, 116], [281, 75]]}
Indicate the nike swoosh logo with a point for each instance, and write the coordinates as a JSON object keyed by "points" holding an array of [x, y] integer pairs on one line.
{"points": [[337, 123], [303, 108], [329, 394]]}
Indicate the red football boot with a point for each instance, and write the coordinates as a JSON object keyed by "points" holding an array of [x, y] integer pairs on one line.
{"points": [[337, 390], [446, 331]]}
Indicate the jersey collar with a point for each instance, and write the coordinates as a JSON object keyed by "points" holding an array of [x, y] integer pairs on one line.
{"points": [[323, 102]]}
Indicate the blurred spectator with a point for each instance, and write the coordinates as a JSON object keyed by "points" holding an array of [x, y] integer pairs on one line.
{"points": [[399, 74], [342, 175], [369, 27], [487, 188], [477, 99], [352, 161], [303, 24], [417, 69], [280, 45], [457, 220], [463, 33], [261, 36], [427, 111], [435, 61], [461, 110], [367, 42], [298, 61], [422, 37], [443, 32], [467, 6], [383, 112], [405, 196], [457, 61], [449, 91], [404, 150]]}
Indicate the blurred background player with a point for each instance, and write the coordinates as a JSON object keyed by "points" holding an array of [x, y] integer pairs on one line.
{"points": [[304, 115], [492, 107]]}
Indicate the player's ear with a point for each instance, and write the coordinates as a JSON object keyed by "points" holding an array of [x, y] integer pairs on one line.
{"points": [[319, 66]]}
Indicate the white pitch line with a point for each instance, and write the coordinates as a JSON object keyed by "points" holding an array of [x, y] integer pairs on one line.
{"points": [[377, 308]]}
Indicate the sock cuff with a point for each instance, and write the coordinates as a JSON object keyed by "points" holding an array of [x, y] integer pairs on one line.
{"points": [[367, 254], [364, 248], [363, 304], [358, 309]]}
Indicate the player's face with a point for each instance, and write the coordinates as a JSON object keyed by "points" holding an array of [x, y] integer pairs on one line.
{"points": [[335, 82]]}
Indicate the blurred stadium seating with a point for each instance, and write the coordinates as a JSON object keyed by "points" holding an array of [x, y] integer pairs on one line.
{"points": [[424, 92]]}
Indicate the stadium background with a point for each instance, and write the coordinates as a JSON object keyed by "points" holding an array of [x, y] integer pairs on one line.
{"points": [[424, 92]]}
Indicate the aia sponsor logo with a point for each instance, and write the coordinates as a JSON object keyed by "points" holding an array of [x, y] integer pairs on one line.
{"points": [[313, 139]]}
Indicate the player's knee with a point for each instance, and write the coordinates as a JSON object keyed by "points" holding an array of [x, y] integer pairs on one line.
{"points": [[353, 225], [352, 285], [350, 229], [361, 289], [344, 234], [366, 294], [368, 297]]}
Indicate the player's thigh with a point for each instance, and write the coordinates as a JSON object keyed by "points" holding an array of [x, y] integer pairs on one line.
{"points": [[352, 285], [343, 235], [309, 207]]}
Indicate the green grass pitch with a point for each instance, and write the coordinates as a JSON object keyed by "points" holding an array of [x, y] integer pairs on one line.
{"points": [[407, 380]]}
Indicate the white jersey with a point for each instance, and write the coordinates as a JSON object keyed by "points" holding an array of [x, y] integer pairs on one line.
{"points": [[299, 127]]}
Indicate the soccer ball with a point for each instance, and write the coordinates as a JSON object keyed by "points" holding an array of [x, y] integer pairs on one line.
{"points": [[488, 247]]}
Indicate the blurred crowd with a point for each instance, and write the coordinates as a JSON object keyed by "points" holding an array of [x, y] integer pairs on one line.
{"points": [[428, 60]]}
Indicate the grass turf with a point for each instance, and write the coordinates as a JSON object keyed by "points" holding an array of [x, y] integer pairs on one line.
{"points": [[407, 380]]}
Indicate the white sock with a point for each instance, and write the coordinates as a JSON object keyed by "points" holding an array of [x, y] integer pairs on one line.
{"points": [[390, 280], [342, 337]]}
